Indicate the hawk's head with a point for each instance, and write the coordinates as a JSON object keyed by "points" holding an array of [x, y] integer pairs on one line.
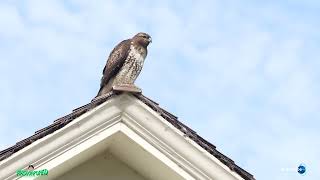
{"points": [[142, 38]]}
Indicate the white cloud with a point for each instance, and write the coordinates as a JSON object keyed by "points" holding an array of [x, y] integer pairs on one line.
{"points": [[10, 22]]}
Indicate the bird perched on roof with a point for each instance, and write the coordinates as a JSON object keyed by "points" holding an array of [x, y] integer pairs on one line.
{"points": [[124, 64]]}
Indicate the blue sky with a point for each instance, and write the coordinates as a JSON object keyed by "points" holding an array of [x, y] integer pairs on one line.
{"points": [[243, 74]]}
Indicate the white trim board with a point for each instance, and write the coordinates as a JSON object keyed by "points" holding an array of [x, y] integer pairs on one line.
{"points": [[122, 117]]}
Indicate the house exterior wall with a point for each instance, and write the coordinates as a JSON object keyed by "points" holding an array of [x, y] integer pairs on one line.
{"points": [[103, 166]]}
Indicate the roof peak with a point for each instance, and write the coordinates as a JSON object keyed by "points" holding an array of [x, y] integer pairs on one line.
{"points": [[188, 132]]}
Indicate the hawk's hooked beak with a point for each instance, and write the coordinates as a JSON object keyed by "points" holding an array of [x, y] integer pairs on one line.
{"points": [[150, 39]]}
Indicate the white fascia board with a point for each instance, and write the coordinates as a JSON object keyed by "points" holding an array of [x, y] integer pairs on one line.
{"points": [[170, 141], [156, 153], [192, 161], [45, 149]]}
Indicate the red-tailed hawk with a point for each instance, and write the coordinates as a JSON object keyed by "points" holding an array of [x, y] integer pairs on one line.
{"points": [[125, 63]]}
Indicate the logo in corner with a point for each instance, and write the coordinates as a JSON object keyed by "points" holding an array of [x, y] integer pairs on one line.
{"points": [[302, 169], [31, 172]]}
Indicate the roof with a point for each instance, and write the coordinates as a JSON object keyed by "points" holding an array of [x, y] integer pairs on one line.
{"points": [[61, 122]]}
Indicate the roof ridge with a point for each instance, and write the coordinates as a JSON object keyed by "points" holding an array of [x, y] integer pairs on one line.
{"points": [[172, 119]]}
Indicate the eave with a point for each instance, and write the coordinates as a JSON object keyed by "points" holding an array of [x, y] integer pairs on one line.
{"points": [[88, 135]]}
